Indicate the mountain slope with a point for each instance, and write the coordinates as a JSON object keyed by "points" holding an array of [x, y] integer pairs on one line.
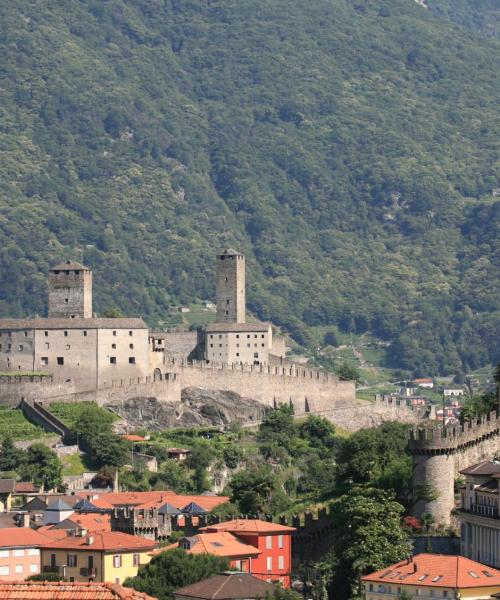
{"points": [[350, 149]]}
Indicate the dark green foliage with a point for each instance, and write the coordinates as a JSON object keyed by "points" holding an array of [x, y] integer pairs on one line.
{"points": [[42, 466], [348, 148], [174, 569], [476, 406], [10, 457], [46, 577], [368, 536]]}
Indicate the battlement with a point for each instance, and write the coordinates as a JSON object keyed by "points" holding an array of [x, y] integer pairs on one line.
{"points": [[449, 440], [289, 370]]}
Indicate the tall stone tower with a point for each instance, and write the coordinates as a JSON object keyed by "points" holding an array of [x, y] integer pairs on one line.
{"points": [[230, 287], [70, 291]]}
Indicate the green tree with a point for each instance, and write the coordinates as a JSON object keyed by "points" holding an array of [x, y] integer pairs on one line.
{"points": [[174, 569], [232, 455], [11, 458], [42, 466], [368, 535], [251, 490]]}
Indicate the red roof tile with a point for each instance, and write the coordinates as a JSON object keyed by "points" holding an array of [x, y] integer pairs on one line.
{"points": [[221, 543], [255, 526], [154, 499], [62, 590], [13, 537], [105, 541], [438, 570]]}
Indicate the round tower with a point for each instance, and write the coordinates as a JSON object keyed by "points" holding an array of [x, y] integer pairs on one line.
{"points": [[70, 291]]}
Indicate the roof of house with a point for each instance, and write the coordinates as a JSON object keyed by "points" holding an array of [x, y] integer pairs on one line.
{"points": [[26, 487], [7, 520], [254, 526], [7, 486], [228, 586], [237, 327], [58, 505], [130, 437], [221, 543], [178, 450], [76, 323], [168, 509], [103, 541], [438, 570], [63, 590], [13, 537], [155, 499], [423, 380], [69, 265], [85, 505], [193, 509], [485, 467]]}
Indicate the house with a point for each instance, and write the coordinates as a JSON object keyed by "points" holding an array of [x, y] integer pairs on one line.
{"points": [[479, 511], [49, 590], [274, 541], [105, 556], [433, 576], [227, 586], [424, 382], [7, 487], [19, 553], [453, 392], [178, 453], [56, 512], [222, 543]]}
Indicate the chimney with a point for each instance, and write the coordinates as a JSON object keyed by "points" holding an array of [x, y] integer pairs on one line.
{"points": [[25, 519]]}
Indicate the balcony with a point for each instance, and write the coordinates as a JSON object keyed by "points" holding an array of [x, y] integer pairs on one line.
{"points": [[51, 569], [485, 511], [88, 572]]}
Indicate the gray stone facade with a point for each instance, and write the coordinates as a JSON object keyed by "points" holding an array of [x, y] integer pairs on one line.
{"points": [[70, 291], [230, 287]]}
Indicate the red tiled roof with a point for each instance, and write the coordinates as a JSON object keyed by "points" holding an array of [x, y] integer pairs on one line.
{"points": [[12, 537], [62, 590], [105, 541], [423, 380], [221, 543], [26, 487], [255, 526], [155, 500], [438, 570], [228, 586], [53, 534], [130, 437]]}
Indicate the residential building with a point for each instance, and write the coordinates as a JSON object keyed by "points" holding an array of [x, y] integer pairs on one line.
{"points": [[453, 391], [479, 513], [49, 590], [227, 586], [10, 489], [105, 556], [19, 553], [424, 382], [274, 541], [433, 576], [241, 555]]}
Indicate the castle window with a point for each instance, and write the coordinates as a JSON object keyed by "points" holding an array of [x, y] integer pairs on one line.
{"points": [[248, 335], [66, 300], [211, 335], [211, 345], [237, 345], [220, 335], [225, 279], [112, 360], [131, 360], [263, 335], [263, 345], [9, 346], [114, 332], [255, 336], [65, 334], [47, 345], [255, 345], [25, 334], [10, 334], [237, 353], [256, 355], [248, 345], [131, 346], [44, 360], [238, 335], [21, 347], [68, 347], [60, 360], [220, 345], [113, 346], [0, 346], [84, 334], [227, 301], [46, 333], [226, 312], [131, 333], [77, 272]]}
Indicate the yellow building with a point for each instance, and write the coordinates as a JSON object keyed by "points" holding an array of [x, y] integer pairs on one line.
{"points": [[433, 576], [108, 556]]}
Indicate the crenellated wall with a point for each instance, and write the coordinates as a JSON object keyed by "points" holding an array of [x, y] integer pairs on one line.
{"points": [[440, 453]]}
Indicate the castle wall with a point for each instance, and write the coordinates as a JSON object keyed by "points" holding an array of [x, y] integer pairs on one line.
{"points": [[70, 293], [270, 385]]}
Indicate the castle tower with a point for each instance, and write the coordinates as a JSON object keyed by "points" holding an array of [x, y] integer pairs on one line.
{"points": [[70, 291], [230, 287]]}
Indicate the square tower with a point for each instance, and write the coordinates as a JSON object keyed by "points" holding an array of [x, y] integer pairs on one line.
{"points": [[70, 291], [230, 287]]}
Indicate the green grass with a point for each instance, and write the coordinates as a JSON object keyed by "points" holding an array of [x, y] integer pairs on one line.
{"points": [[72, 464], [15, 425], [69, 412]]}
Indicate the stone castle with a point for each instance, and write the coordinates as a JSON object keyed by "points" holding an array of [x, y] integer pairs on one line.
{"points": [[73, 355]]}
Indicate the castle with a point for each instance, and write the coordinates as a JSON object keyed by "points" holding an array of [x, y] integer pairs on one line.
{"points": [[79, 356]]}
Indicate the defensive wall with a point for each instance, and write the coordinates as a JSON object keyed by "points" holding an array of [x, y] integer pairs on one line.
{"points": [[440, 453], [269, 384]]}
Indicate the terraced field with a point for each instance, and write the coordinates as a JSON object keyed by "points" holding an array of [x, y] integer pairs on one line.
{"points": [[14, 424]]}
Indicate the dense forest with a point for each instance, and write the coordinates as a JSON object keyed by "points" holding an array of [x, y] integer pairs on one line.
{"points": [[349, 147]]}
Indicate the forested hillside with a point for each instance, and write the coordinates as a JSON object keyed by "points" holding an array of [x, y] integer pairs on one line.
{"points": [[349, 148]]}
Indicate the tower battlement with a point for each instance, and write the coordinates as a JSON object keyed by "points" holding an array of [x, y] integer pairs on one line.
{"points": [[70, 291]]}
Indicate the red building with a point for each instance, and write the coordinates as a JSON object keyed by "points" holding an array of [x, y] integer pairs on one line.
{"points": [[274, 541]]}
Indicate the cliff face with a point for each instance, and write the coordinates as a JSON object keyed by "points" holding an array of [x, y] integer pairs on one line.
{"points": [[198, 407]]}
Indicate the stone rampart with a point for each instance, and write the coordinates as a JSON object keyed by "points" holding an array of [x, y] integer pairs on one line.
{"points": [[440, 453], [270, 385]]}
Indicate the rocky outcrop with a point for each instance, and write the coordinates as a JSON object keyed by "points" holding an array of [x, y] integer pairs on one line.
{"points": [[197, 407]]}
